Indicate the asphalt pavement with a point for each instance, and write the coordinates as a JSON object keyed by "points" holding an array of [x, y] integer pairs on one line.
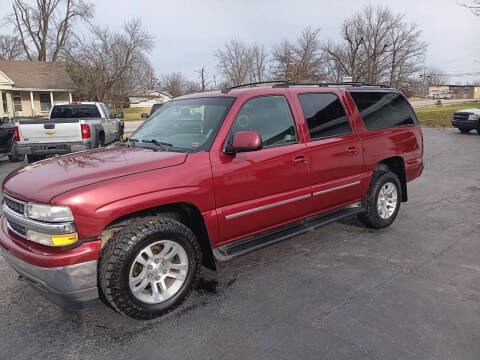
{"points": [[411, 291]]}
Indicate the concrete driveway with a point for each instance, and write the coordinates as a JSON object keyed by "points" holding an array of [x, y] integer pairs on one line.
{"points": [[411, 291]]}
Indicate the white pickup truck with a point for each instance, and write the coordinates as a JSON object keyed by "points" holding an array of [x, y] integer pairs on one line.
{"points": [[70, 128]]}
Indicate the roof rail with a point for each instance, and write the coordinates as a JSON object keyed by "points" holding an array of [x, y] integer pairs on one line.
{"points": [[288, 83], [227, 89]]}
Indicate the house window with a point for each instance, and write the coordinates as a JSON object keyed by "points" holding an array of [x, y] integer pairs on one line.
{"points": [[4, 101], [17, 101], [45, 102]]}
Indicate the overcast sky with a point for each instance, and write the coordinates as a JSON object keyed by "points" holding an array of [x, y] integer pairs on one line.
{"points": [[187, 33]]}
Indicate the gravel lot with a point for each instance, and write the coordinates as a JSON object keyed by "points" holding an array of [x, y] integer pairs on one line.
{"points": [[342, 292]]}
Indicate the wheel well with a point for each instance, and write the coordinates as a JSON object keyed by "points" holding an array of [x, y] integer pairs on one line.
{"points": [[186, 213], [396, 164]]}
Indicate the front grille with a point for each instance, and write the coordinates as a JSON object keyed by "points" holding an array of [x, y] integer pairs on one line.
{"points": [[461, 116], [17, 206], [18, 228]]}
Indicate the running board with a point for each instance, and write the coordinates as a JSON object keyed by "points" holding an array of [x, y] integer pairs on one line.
{"points": [[255, 242]]}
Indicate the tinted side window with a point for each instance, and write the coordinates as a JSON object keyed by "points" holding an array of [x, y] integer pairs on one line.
{"points": [[382, 110], [325, 115], [270, 117]]}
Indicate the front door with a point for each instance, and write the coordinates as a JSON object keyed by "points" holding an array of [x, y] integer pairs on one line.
{"points": [[258, 190]]}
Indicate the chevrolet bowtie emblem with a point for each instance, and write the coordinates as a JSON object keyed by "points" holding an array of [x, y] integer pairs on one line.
{"points": [[50, 132]]}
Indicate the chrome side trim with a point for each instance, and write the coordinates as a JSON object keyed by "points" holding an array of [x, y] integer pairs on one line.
{"points": [[335, 188], [265, 207], [43, 227]]}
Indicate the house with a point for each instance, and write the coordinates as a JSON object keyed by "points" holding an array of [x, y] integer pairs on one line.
{"points": [[30, 88], [455, 91], [148, 98]]}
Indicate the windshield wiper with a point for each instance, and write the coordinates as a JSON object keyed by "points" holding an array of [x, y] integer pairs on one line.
{"points": [[129, 142], [163, 145]]}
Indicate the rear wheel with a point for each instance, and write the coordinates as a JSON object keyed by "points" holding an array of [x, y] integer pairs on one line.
{"points": [[100, 142], [14, 155], [464, 130], [478, 129], [32, 158], [382, 202], [148, 268]]}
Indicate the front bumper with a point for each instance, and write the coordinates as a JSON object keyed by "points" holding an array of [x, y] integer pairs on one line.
{"points": [[52, 148], [465, 124], [73, 285]]}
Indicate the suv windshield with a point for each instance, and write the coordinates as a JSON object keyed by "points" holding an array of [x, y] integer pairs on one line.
{"points": [[188, 125], [75, 111]]}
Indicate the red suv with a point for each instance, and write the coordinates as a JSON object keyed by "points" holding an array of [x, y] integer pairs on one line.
{"points": [[208, 177]]}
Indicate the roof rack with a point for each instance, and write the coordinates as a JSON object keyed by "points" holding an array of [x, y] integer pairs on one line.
{"points": [[288, 83], [228, 88]]}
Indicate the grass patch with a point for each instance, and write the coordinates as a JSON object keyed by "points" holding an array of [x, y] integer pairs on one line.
{"points": [[132, 114], [441, 115]]}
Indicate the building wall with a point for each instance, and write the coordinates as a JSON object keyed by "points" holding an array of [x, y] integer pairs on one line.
{"points": [[58, 97], [476, 92]]}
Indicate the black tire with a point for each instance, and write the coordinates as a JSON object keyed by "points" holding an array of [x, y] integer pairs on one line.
{"points": [[14, 156], [478, 129], [464, 130], [371, 218], [100, 142], [32, 158], [121, 251]]}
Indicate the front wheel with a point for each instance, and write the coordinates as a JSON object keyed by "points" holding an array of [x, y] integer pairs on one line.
{"points": [[382, 201], [464, 130], [148, 268]]}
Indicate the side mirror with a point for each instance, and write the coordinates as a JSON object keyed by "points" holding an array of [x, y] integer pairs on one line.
{"points": [[144, 116], [244, 141], [120, 114]]}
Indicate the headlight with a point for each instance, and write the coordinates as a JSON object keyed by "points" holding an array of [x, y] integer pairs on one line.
{"points": [[48, 213], [473, 117]]}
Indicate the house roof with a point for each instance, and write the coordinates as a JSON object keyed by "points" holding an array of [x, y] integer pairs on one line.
{"points": [[151, 94], [37, 75]]}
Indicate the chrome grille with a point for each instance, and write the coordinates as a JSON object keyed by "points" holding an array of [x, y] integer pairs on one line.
{"points": [[461, 116], [14, 204], [19, 229]]}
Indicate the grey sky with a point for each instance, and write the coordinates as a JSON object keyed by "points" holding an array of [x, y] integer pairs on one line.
{"points": [[187, 33]]}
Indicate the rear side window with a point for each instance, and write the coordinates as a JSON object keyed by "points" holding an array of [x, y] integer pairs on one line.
{"points": [[270, 117], [325, 115], [383, 110], [75, 111]]}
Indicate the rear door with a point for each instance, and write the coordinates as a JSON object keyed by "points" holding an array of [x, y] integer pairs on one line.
{"points": [[334, 151], [261, 189]]}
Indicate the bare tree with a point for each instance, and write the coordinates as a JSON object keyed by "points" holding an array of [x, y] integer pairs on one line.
{"points": [[259, 63], [174, 83], [474, 6], [300, 61], [283, 61], [106, 66], [44, 28], [234, 62], [10, 47], [435, 76], [377, 47]]}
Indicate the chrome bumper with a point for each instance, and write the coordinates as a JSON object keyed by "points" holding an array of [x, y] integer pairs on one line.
{"points": [[52, 148], [73, 286]]}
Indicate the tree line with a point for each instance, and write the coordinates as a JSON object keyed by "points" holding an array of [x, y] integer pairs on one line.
{"points": [[375, 46]]}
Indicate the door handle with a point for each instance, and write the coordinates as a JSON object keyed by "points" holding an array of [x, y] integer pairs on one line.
{"points": [[300, 160], [352, 150]]}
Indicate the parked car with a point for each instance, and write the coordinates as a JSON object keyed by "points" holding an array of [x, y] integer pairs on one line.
{"points": [[70, 128], [154, 108], [466, 120], [7, 141], [133, 223]]}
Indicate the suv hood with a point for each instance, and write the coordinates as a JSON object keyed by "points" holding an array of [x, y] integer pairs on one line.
{"points": [[42, 181], [472, 111]]}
